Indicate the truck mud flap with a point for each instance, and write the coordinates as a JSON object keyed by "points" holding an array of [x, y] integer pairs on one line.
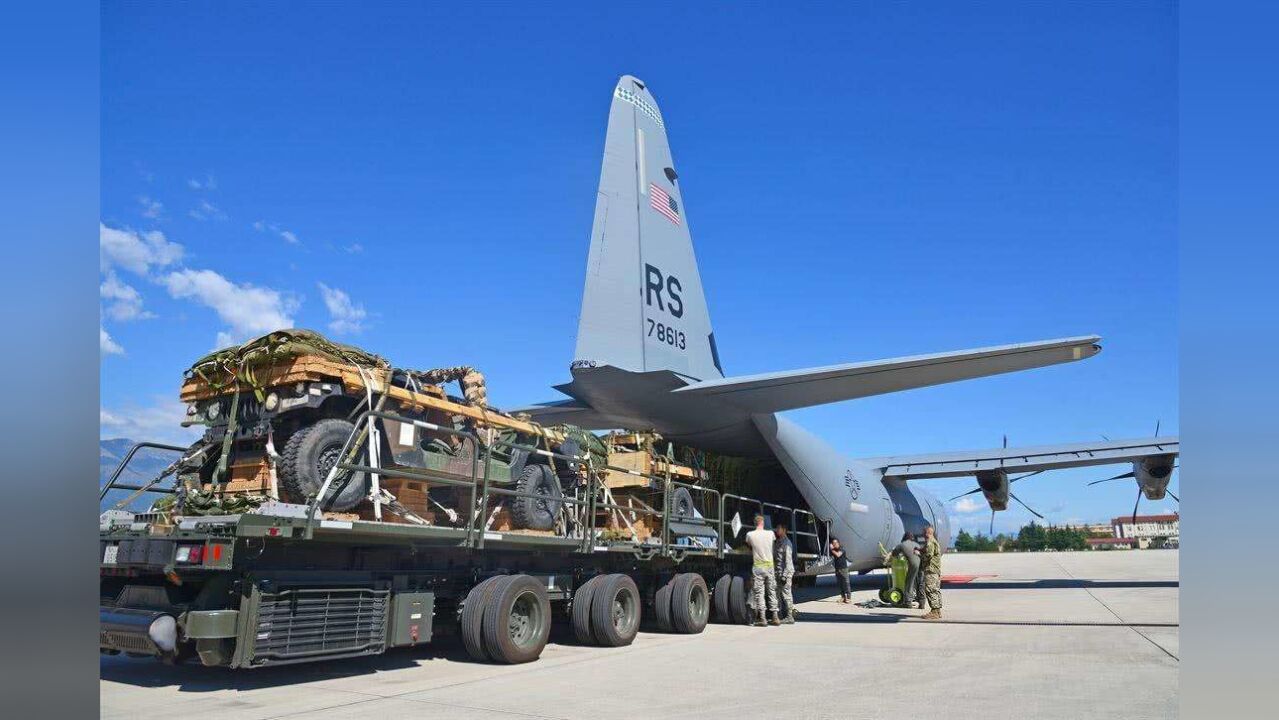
{"points": [[292, 625]]}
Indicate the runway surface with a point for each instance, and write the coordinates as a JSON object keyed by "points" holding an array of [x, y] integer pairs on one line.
{"points": [[1044, 635]]}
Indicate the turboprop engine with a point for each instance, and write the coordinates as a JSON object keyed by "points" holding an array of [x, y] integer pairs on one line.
{"points": [[1152, 475], [994, 486]]}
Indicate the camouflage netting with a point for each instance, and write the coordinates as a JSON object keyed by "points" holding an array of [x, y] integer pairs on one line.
{"points": [[586, 440], [241, 361], [471, 380]]}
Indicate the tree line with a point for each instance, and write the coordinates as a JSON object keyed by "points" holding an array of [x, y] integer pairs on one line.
{"points": [[1030, 538]]}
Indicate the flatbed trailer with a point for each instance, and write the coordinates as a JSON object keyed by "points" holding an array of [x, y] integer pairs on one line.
{"points": [[289, 583]]}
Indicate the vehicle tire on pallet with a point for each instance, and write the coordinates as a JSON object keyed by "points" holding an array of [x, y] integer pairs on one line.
{"points": [[737, 607], [517, 620], [310, 454], [719, 599], [582, 610], [615, 611], [682, 503], [690, 603], [662, 607], [472, 623], [539, 513]]}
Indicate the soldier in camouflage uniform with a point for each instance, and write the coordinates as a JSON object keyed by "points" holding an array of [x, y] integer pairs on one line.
{"points": [[930, 568], [784, 570], [763, 582]]}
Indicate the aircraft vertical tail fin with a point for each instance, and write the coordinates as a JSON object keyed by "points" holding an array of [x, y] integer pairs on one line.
{"points": [[643, 307]]}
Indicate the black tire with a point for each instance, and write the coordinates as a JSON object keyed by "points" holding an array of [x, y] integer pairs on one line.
{"points": [[309, 455], [582, 610], [682, 503], [472, 623], [720, 599], [737, 608], [535, 514], [690, 603], [615, 611], [517, 620], [883, 596], [662, 607]]}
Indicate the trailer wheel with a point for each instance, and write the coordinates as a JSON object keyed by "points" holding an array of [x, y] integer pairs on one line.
{"points": [[738, 610], [720, 599], [582, 610], [662, 607], [517, 620], [539, 513], [308, 457], [472, 624], [615, 611], [690, 603]]}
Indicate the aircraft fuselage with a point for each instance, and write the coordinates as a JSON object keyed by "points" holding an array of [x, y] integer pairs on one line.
{"points": [[864, 510]]}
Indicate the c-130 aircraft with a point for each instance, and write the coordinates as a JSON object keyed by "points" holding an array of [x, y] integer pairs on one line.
{"points": [[646, 358]]}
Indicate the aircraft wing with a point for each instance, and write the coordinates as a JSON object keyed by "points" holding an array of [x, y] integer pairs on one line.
{"points": [[775, 392], [1027, 459]]}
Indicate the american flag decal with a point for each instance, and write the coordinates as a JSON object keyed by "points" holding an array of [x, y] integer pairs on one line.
{"points": [[663, 203]]}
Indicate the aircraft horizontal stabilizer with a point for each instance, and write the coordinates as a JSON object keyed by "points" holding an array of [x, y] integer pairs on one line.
{"points": [[567, 412], [775, 392]]}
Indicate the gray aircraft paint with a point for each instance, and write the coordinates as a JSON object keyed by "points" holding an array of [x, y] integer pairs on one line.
{"points": [[624, 377], [641, 274]]}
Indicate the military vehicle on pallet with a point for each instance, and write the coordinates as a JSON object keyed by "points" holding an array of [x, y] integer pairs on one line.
{"points": [[337, 506]]}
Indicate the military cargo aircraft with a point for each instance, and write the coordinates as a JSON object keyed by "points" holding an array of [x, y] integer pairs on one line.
{"points": [[646, 358]]}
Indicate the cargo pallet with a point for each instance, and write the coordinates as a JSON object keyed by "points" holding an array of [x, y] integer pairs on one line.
{"points": [[289, 583]]}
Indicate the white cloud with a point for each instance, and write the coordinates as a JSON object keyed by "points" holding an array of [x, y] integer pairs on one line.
{"points": [[248, 310], [123, 300], [287, 235], [207, 211], [345, 316], [150, 208], [966, 505], [208, 183], [106, 345], [158, 421], [134, 251], [354, 248]]}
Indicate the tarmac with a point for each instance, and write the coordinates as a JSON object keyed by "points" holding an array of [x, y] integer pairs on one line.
{"points": [[1044, 635]]}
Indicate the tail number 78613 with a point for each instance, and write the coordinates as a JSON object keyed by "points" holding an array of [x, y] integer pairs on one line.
{"points": [[666, 334]]}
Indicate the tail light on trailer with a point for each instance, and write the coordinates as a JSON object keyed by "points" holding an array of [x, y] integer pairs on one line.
{"points": [[190, 554]]}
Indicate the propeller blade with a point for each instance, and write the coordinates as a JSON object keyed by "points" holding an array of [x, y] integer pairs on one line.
{"points": [[1157, 427], [1005, 441], [1134, 507], [1117, 477], [970, 492], [992, 522], [1023, 477], [1174, 496], [1103, 437], [1032, 511]]}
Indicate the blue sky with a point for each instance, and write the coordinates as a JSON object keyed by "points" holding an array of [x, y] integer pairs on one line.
{"points": [[861, 182]]}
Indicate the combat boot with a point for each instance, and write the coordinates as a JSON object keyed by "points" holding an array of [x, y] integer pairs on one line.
{"points": [[933, 614], [790, 618], [773, 619], [759, 619]]}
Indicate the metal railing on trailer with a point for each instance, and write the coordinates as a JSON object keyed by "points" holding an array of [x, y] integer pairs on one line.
{"points": [[671, 542], [803, 523]]}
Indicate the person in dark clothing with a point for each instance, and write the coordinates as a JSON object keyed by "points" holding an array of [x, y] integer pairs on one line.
{"points": [[909, 549], [839, 559]]}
